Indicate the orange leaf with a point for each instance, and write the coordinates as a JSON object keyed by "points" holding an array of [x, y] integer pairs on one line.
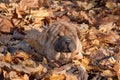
{"points": [[5, 25], [8, 57], [57, 77]]}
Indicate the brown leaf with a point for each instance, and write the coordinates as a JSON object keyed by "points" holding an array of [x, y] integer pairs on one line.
{"points": [[44, 3], [3, 7], [16, 21], [25, 77], [2, 64], [107, 27], [28, 70], [118, 22], [110, 5], [5, 74], [92, 34], [107, 20], [57, 77], [112, 38], [117, 69], [85, 62], [64, 18], [70, 72], [40, 14], [86, 17], [28, 3], [22, 68], [85, 5], [107, 73], [13, 75], [29, 63], [21, 54], [8, 57], [5, 26]]}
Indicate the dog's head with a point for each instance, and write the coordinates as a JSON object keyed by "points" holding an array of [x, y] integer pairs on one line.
{"points": [[61, 41]]}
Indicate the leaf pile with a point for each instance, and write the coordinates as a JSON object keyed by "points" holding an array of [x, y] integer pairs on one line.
{"points": [[99, 22]]}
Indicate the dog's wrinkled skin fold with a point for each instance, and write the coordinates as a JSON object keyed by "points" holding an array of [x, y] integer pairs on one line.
{"points": [[60, 42]]}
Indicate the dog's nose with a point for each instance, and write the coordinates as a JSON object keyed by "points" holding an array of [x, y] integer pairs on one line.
{"points": [[68, 41], [64, 44]]}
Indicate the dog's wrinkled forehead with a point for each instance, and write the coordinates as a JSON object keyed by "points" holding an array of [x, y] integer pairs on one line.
{"points": [[62, 29]]}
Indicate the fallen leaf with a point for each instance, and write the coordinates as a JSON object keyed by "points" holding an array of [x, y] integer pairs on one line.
{"points": [[40, 14], [25, 77], [70, 72], [5, 26], [28, 4], [13, 74], [5, 74], [107, 27], [85, 62], [117, 69], [112, 38], [107, 73], [57, 77], [8, 57], [86, 17], [28, 70], [110, 5], [29, 63], [92, 34], [21, 54], [3, 7], [22, 68]]}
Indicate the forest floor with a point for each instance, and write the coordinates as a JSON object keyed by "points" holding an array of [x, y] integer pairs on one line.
{"points": [[99, 21]]}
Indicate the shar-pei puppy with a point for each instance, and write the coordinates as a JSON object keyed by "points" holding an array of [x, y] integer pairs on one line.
{"points": [[59, 42]]}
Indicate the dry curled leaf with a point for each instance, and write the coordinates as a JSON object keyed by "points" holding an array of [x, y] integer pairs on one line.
{"points": [[69, 72], [107, 73], [111, 37], [117, 69], [86, 17], [85, 5], [22, 68], [21, 54], [107, 27], [40, 15], [110, 5], [28, 3], [5, 25], [3, 7], [8, 57], [57, 77]]}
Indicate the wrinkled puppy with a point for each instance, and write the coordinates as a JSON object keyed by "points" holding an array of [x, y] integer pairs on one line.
{"points": [[59, 42]]}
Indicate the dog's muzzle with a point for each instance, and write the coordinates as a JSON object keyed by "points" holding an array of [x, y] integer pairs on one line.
{"points": [[64, 44]]}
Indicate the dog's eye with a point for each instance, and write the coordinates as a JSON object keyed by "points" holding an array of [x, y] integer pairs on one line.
{"points": [[60, 34]]}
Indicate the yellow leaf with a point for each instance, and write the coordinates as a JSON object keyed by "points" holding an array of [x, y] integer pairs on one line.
{"points": [[40, 14], [21, 54], [8, 57], [110, 5], [107, 73], [117, 69], [57, 77], [25, 77]]}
